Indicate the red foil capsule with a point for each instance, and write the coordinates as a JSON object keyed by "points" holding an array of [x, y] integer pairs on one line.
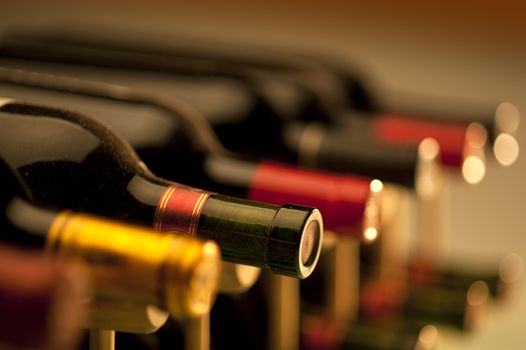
{"points": [[349, 204], [41, 301], [461, 146]]}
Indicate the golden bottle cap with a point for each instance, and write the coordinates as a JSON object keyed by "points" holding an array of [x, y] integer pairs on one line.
{"points": [[197, 267], [138, 265]]}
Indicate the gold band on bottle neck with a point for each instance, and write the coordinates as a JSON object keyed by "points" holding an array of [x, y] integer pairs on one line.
{"points": [[138, 265], [179, 209]]}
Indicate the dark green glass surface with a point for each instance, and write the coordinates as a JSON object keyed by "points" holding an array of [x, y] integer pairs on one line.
{"points": [[68, 160]]}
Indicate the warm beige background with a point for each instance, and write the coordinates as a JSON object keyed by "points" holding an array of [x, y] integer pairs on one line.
{"points": [[473, 51]]}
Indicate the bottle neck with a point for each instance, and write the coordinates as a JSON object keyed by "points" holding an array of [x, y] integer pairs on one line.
{"points": [[318, 332], [341, 199], [287, 239], [347, 149], [432, 303]]}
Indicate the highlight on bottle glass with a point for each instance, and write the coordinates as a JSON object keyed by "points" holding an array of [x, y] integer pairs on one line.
{"points": [[474, 161], [427, 338], [429, 176], [372, 213], [477, 297], [505, 146]]}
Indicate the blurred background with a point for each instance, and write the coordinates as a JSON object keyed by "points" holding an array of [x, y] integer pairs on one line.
{"points": [[413, 53]]}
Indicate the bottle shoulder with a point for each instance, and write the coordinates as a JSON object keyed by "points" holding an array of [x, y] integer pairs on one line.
{"points": [[68, 160]]}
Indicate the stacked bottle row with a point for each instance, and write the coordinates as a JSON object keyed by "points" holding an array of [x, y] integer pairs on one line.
{"points": [[249, 149]]}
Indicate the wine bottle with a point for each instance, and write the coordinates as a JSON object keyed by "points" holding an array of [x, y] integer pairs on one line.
{"points": [[338, 87], [501, 283], [73, 161], [500, 121], [319, 332], [41, 300], [308, 145], [462, 147], [351, 205], [331, 79], [317, 146], [124, 262], [458, 308], [225, 100], [306, 83], [177, 56], [157, 135]]}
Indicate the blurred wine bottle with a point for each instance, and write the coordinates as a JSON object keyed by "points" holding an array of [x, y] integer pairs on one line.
{"points": [[502, 282], [350, 205], [463, 309], [318, 332], [42, 301], [216, 168], [123, 261], [73, 161], [257, 119], [330, 87], [162, 139]]}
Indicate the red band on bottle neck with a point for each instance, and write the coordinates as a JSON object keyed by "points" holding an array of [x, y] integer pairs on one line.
{"points": [[179, 209], [403, 130], [340, 199]]}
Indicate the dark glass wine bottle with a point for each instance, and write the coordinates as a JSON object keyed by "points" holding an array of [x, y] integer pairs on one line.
{"points": [[312, 145], [329, 77], [502, 282], [461, 308], [68, 160], [125, 263], [158, 144], [344, 200], [339, 87], [501, 124], [460, 145], [320, 332], [180, 57], [157, 136], [42, 297], [498, 120]]}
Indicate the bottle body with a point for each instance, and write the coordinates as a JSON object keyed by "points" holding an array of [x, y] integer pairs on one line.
{"points": [[126, 264], [72, 161], [458, 308], [248, 131], [318, 333], [335, 86], [168, 148]]}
